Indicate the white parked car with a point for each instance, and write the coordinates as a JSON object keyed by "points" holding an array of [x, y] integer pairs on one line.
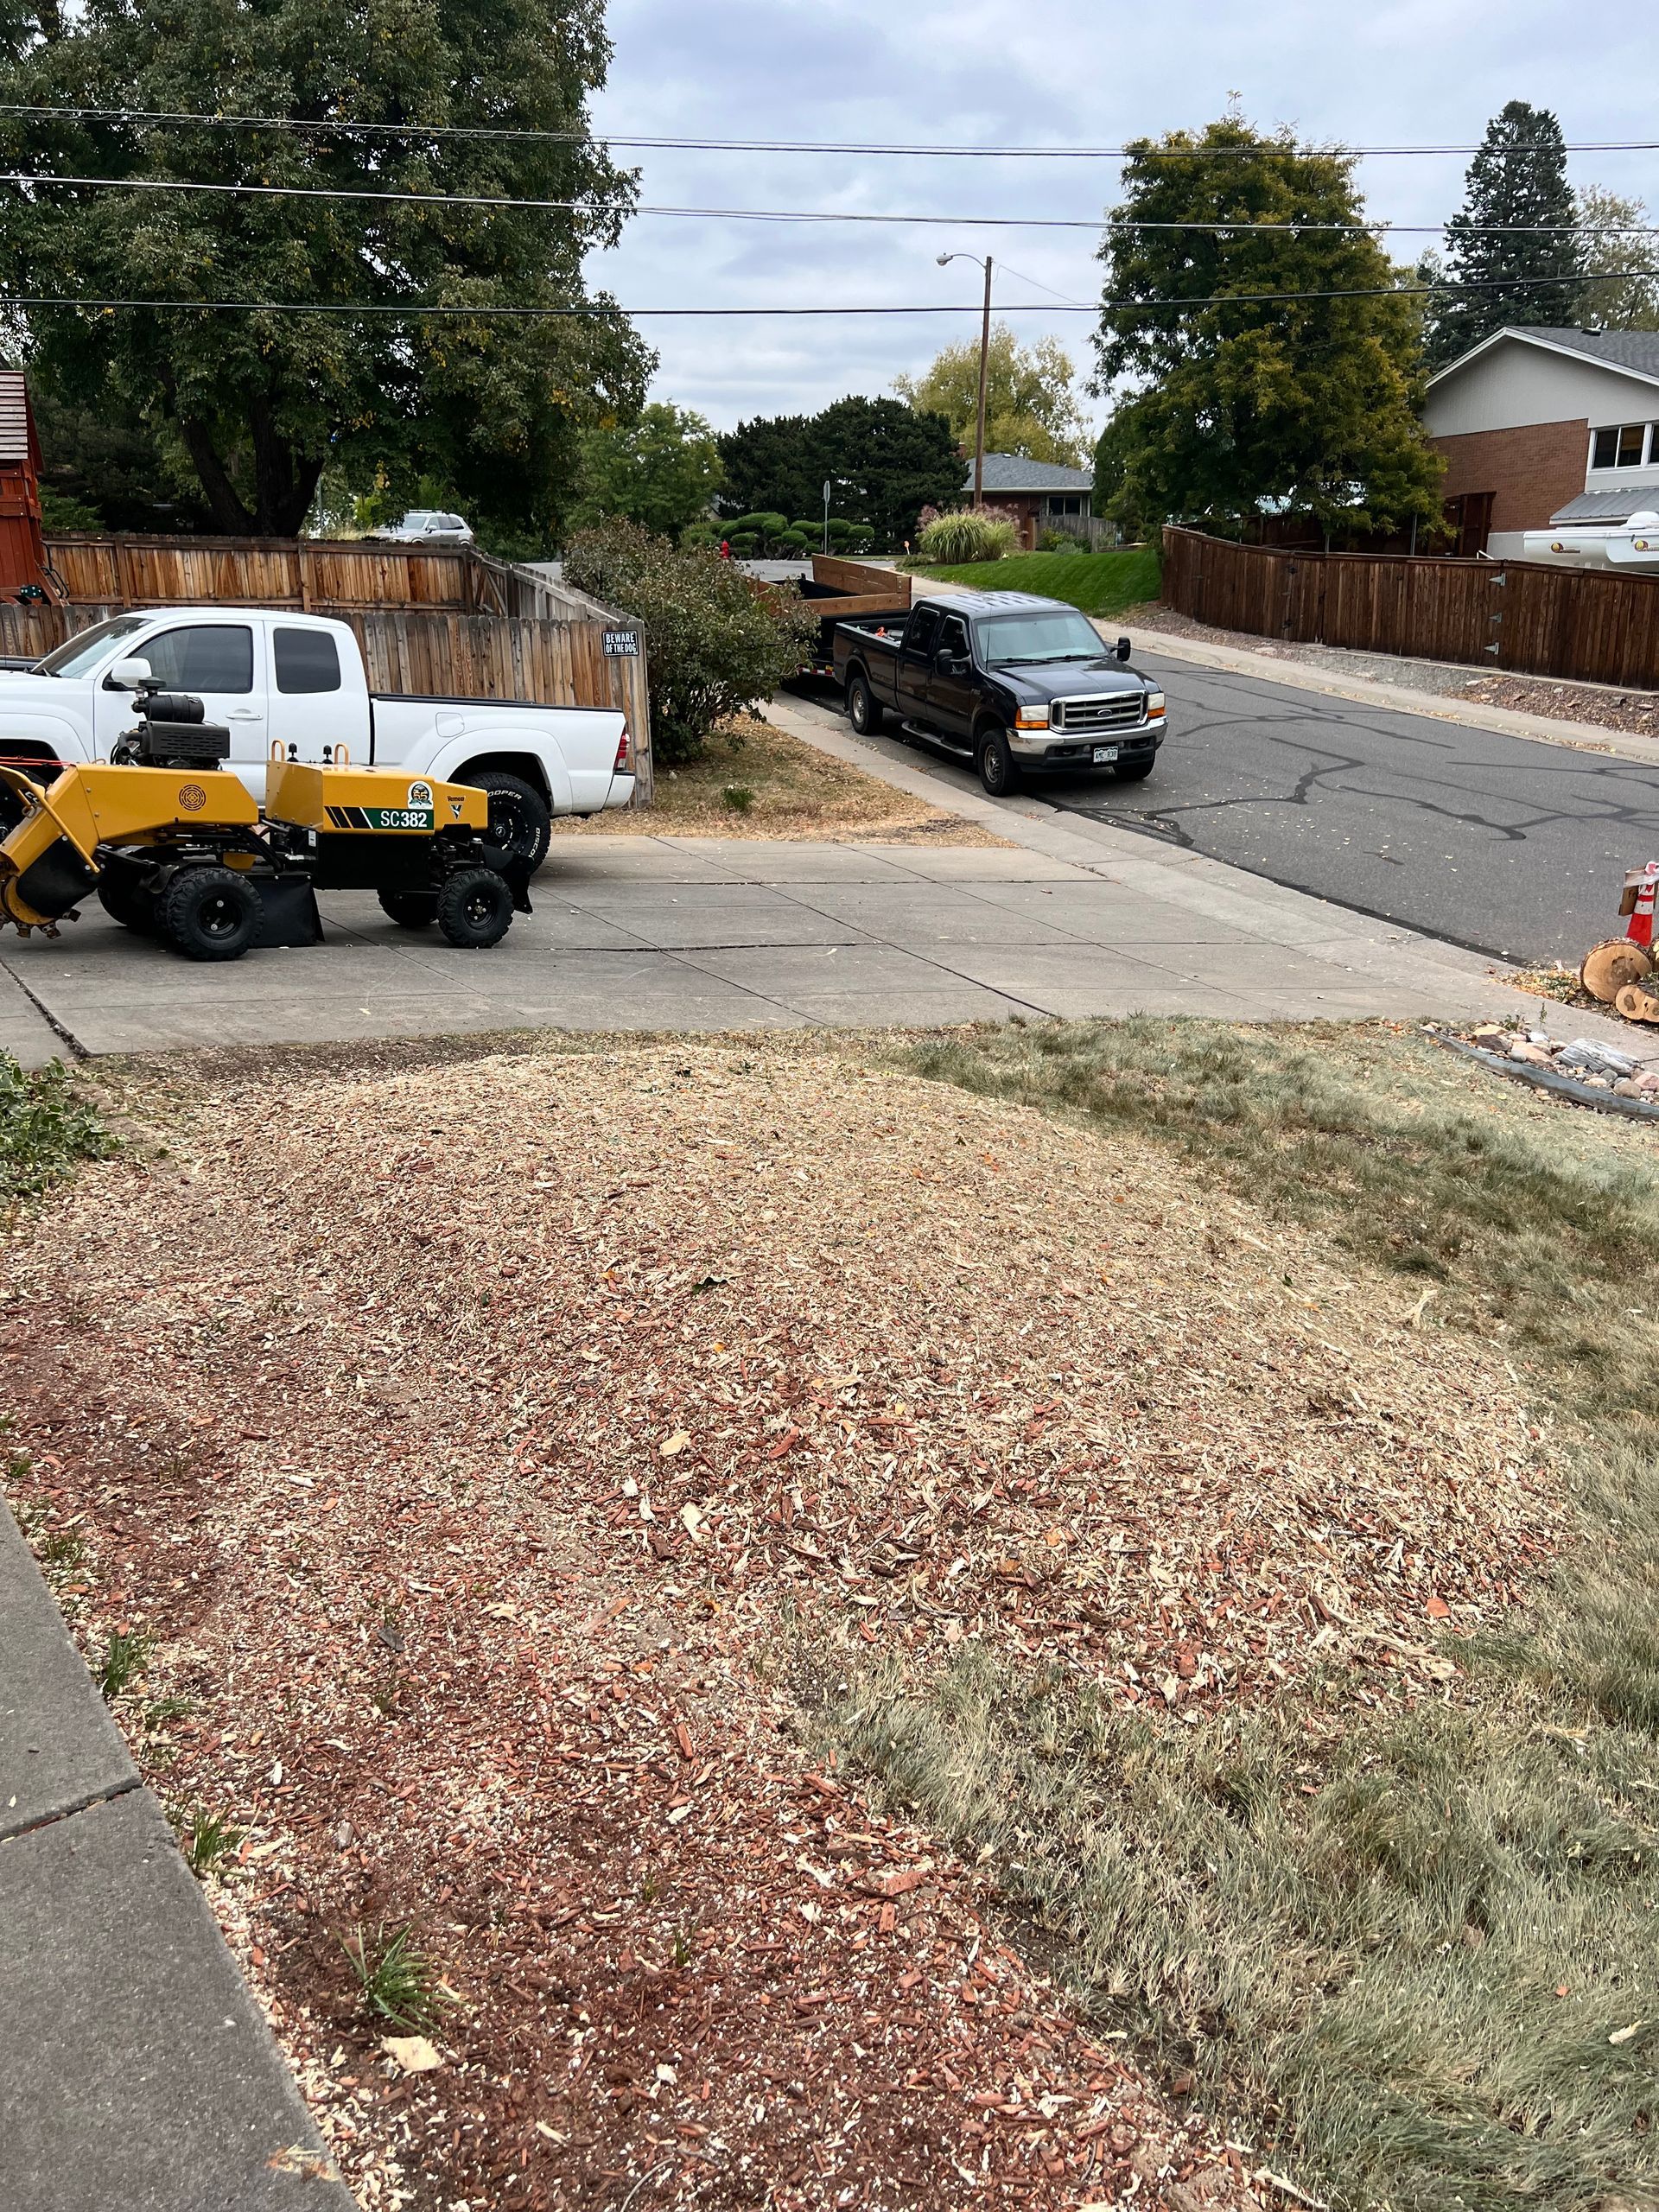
{"points": [[297, 680], [427, 526]]}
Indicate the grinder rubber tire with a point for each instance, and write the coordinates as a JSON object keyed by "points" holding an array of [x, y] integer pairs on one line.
{"points": [[210, 913], [474, 908]]}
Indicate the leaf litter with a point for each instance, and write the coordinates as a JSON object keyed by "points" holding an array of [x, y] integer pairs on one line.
{"points": [[482, 1442]]}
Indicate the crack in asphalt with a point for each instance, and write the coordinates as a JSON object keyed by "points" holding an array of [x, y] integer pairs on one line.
{"points": [[1531, 835]]}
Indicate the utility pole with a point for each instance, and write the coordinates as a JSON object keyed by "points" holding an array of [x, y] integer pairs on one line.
{"points": [[984, 372]]}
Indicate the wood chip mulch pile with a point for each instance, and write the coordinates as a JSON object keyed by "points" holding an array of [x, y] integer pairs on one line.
{"points": [[483, 1444]]}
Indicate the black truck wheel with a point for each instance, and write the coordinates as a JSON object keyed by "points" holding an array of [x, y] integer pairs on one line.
{"points": [[864, 709], [122, 895], [997, 771], [474, 908], [210, 913], [521, 821], [410, 910]]}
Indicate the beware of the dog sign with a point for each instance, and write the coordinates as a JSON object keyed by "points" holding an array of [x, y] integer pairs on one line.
{"points": [[622, 643]]}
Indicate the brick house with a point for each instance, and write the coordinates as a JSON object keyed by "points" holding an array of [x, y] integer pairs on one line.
{"points": [[1535, 421], [1037, 496]]}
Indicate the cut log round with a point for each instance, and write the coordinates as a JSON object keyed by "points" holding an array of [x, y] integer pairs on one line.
{"points": [[1637, 1003], [1607, 968]]}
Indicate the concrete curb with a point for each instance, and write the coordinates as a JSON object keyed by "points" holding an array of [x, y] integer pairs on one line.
{"points": [[138, 2070]]}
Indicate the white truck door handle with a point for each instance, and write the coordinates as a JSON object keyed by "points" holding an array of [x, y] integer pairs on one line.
{"points": [[243, 715]]}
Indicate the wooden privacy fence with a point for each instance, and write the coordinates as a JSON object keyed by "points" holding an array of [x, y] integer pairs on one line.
{"points": [[434, 624], [1577, 624], [310, 573]]}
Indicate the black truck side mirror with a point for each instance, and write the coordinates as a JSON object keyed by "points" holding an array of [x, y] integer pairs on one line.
{"points": [[1124, 649]]}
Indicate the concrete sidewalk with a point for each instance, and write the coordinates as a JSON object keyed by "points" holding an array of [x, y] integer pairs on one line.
{"points": [[135, 2069], [1072, 917]]}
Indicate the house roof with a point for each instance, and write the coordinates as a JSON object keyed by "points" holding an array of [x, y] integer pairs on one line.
{"points": [[1010, 471], [1633, 353]]}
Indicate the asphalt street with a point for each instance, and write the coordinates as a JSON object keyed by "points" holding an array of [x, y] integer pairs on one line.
{"points": [[1498, 843]]}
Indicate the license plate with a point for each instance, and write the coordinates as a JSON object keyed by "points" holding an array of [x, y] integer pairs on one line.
{"points": [[1103, 754]]}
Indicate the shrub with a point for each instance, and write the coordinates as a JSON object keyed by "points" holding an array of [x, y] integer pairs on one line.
{"points": [[765, 526], [795, 540], [739, 798], [971, 535], [715, 645], [744, 543]]}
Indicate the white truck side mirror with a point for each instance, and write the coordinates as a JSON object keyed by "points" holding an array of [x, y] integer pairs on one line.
{"points": [[131, 675]]}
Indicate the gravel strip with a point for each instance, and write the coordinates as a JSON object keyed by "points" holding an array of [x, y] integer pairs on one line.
{"points": [[488, 1444]]}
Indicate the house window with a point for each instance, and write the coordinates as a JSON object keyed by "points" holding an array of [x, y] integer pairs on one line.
{"points": [[1067, 503], [1621, 448]]}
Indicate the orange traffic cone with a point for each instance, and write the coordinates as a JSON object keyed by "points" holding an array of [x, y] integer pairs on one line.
{"points": [[1641, 929]]}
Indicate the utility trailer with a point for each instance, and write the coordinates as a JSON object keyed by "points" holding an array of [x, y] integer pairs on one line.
{"points": [[846, 591]]}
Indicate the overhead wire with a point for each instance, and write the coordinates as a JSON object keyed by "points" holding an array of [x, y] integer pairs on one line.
{"points": [[418, 312], [398, 196], [346, 127]]}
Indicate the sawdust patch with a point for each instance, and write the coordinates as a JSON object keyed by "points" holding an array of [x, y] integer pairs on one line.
{"points": [[483, 1442]]}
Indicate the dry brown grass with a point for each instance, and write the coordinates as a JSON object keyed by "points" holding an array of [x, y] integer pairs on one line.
{"points": [[511, 1453], [792, 790]]}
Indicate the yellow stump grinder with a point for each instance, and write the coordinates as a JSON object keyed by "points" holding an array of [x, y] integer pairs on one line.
{"points": [[171, 844]]}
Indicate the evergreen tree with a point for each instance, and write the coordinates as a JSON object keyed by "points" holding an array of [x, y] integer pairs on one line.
{"points": [[1517, 224], [259, 400], [1240, 404], [885, 461]]}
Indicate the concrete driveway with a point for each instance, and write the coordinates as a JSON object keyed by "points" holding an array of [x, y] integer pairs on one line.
{"points": [[710, 934]]}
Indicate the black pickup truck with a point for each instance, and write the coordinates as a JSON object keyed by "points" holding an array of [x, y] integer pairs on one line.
{"points": [[1019, 685]]}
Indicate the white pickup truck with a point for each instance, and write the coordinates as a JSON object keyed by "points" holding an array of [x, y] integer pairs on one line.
{"points": [[297, 681]]}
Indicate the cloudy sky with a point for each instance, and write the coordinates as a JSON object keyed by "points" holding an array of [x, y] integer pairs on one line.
{"points": [[1090, 73]]}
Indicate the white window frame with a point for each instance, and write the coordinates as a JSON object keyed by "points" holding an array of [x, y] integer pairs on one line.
{"points": [[1647, 458]]}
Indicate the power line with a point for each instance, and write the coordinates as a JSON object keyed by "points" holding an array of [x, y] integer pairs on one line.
{"points": [[414, 312], [341, 127], [399, 197]]}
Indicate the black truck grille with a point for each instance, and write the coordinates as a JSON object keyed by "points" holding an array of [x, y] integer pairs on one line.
{"points": [[1117, 710]]}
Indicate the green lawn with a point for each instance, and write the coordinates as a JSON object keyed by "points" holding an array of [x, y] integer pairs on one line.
{"points": [[1100, 583]]}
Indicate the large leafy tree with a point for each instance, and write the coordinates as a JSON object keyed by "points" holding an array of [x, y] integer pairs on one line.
{"points": [[1513, 240], [1031, 406], [661, 470], [883, 461], [261, 401], [1627, 298], [1231, 403]]}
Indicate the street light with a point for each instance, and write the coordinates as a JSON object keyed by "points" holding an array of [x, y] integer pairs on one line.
{"points": [[833, 484], [984, 366]]}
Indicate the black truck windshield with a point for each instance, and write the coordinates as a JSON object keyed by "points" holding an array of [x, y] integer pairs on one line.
{"points": [[1005, 640]]}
